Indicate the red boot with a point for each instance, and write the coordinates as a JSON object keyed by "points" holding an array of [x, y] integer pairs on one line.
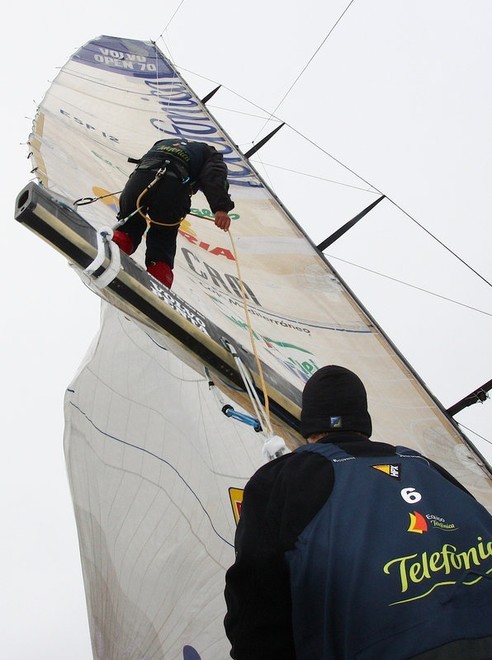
{"points": [[123, 241], [162, 272]]}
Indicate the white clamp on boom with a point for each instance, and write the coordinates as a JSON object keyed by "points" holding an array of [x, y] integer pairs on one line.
{"points": [[104, 236]]}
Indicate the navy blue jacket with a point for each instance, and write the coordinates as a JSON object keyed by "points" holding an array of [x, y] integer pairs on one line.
{"points": [[359, 550]]}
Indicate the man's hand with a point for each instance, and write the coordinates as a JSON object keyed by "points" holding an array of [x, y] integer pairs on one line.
{"points": [[222, 220]]}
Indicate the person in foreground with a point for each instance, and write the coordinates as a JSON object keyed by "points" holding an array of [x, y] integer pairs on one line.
{"points": [[166, 199], [348, 548]]}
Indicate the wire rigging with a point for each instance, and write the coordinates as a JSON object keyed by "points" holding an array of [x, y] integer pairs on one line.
{"points": [[171, 19], [309, 62], [412, 286], [378, 190], [320, 178], [477, 434], [271, 115]]}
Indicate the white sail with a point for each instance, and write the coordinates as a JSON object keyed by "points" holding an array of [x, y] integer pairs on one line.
{"points": [[155, 468]]}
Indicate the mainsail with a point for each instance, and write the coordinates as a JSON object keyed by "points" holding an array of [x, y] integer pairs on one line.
{"points": [[155, 466]]}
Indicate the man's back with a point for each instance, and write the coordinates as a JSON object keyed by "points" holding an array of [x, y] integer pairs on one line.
{"points": [[384, 555], [397, 561]]}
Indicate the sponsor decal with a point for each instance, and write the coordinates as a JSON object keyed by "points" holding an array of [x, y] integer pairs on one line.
{"points": [[390, 469], [187, 232], [440, 523], [107, 198], [236, 499], [418, 523], [287, 354], [179, 306], [208, 215], [183, 117], [419, 574], [122, 56], [226, 282], [270, 343], [88, 126]]}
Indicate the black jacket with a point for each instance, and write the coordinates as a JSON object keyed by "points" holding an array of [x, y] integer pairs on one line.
{"points": [[202, 163]]}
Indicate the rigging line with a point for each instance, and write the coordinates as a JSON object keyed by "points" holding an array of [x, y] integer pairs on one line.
{"points": [[232, 91], [266, 173], [391, 201], [171, 19], [251, 336], [361, 178], [474, 432], [320, 178], [238, 112], [309, 62], [301, 135], [412, 286], [439, 241], [175, 80]]}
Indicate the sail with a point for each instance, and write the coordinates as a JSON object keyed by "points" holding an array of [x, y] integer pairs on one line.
{"points": [[155, 466]]}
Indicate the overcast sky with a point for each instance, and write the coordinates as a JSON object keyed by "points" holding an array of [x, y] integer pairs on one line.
{"points": [[399, 93]]}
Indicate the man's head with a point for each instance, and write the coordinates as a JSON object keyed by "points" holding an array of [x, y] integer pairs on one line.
{"points": [[334, 399]]}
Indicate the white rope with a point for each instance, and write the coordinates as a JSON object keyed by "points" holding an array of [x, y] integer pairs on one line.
{"points": [[273, 446]]}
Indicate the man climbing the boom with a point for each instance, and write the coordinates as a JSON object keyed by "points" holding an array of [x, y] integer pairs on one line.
{"points": [[350, 549], [158, 194]]}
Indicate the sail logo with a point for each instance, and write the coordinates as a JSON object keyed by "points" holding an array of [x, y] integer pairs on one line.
{"points": [[107, 198], [294, 357], [285, 353], [87, 125], [391, 469], [418, 523], [187, 232], [236, 499], [103, 55], [211, 277], [300, 368], [421, 524], [180, 115]]}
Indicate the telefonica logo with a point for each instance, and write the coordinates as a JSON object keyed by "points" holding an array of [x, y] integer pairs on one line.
{"points": [[415, 569]]}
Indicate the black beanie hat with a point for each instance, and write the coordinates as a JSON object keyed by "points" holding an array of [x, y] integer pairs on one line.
{"points": [[334, 399]]}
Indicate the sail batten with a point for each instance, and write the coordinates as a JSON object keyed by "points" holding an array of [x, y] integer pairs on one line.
{"points": [[156, 468]]}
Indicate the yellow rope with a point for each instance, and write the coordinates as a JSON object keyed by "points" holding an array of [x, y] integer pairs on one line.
{"points": [[162, 224], [248, 320], [147, 218], [149, 221], [253, 343]]}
